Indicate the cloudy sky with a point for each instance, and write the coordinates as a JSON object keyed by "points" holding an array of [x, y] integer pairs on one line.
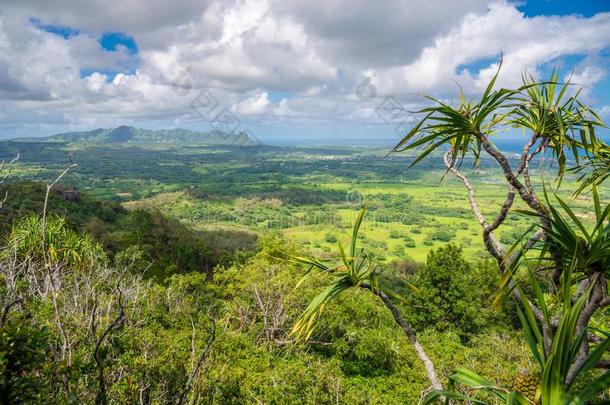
{"points": [[330, 71]]}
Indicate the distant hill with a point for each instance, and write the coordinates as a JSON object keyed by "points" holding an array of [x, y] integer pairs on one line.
{"points": [[138, 136]]}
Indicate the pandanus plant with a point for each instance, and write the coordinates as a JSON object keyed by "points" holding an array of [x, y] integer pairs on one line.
{"points": [[558, 342], [553, 383], [54, 243], [555, 353], [356, 269], [561, 128]]}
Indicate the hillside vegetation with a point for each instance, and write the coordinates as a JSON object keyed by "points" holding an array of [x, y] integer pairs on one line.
{"points": [[137, 271]]}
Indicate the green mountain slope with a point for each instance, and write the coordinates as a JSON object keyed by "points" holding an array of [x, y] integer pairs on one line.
{"points": [[139, 136]]}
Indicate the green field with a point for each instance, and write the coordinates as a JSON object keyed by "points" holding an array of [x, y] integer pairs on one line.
{"points": [[310, 195]]}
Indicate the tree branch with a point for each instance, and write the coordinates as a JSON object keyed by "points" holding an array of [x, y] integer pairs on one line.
{"points": [[101, 397], [50, 186], [489, 239], [9, 169], [529, 198], [202, 357], [491, 242], [408, 330]]}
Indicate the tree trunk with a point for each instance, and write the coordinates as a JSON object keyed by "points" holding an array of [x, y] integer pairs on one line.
{"points": [[408, 330]]}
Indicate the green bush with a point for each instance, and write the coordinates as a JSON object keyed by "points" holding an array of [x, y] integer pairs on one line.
{"points": [[447, 299], [23, 353], [330, 238], [442, 234]]}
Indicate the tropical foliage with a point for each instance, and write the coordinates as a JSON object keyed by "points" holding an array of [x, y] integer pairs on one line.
{"points": [[567, 283], [188, 287], [50, 241]]}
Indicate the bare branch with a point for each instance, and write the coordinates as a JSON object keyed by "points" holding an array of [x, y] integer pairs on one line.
{"points": [[501, 217], [9, 169], [583, 320], [202, 357], [50, 186], [492, 244], [529, 198], [101, 397], [7, 308]]}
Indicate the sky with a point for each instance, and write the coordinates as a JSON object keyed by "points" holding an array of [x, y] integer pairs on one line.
{"points": [[297, 71]]}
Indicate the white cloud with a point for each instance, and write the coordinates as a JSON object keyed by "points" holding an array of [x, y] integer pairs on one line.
{"points": [[526, 43], [255, 105], [312, 52]]}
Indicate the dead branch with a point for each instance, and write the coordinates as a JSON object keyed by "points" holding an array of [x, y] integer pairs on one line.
{"points": [[9, 168], [101, 397], [492, 244], [204, 354], [50, 186]]}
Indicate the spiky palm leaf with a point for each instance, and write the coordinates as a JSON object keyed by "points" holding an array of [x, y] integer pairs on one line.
{"points": [[559, 122], [580, 252], [576, 250], [356, 268], [59, 245], [595, 169], [554, 367], [444, 125]]}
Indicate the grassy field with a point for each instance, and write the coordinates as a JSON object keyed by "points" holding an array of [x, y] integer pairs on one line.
{"points": [[310, 195], [434, 215]]}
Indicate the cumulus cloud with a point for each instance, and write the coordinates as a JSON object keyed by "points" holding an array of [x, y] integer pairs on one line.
{"points": [[314, 54], [255, 105], [526, 44]]}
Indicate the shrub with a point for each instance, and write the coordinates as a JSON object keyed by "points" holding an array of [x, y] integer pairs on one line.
{"points": [[447, 299], [330, 238], [443, 234]]}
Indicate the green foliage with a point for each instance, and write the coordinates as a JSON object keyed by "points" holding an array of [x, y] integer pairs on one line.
{"points": [[358, 354], [330, 238], [557, 372], [443, 234], [446, 298], [23, 356], [573, 246], [357, 269], [165, 244], [596, 167], [355, 354], [57, 244], [562, 377], [172, 247]]}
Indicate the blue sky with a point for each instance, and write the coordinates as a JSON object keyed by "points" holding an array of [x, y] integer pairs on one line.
{"points": [[290, 72], [587, 8]]}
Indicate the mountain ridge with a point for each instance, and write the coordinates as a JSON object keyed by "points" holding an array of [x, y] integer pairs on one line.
{"points": [[139, 136]]}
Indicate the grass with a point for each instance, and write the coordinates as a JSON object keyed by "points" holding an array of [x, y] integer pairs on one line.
{"points": [[208, 187]]}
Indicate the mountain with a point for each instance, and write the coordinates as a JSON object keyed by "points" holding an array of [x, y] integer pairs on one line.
{"points": [[138, 136]]}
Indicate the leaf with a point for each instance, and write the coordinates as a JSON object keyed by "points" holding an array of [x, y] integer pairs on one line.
{"points": [[434, 396], [355, 231], [594, 388], [591, 359]]}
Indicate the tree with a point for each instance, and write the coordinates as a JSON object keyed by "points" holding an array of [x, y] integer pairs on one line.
{"points": [[357, 270], [446, 298], [570, 256]]}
